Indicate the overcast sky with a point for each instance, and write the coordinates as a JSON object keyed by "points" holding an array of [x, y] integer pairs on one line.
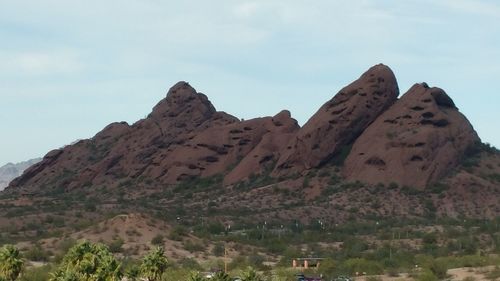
{"points": [[69, 68]]}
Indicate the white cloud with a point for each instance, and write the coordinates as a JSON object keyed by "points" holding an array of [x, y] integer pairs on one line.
{"points": [[482, 8], [246, 9], [40, 63]]}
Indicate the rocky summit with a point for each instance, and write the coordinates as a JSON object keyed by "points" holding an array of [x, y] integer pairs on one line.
{"points": [[339, 121], [368, 132], [417, 141]]}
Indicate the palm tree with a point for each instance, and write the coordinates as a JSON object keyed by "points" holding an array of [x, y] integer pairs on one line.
{"points": [[88, 262], [11, 263], [154, 265]]}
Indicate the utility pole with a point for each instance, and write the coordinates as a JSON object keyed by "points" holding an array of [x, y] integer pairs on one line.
{"points": [[225, 258], [390, 246]]}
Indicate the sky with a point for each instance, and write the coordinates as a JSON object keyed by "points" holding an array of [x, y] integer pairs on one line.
{"points": [[69, 68]]}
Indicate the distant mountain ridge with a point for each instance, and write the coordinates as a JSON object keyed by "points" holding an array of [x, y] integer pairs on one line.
{"points": [[11, 171]]}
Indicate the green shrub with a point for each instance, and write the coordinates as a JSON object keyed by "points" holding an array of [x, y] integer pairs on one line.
{"points": [[218, 250], [427, 275], [177, 233], [193, 247], [256, 260], [438, 188], [115, 246], [439, 268], [328, 267], [352, 266], [157, 240], [189, 263], [36, 273], [36, 253]]}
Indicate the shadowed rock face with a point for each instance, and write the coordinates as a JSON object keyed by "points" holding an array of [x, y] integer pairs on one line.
{"points": [[263, 156], [416, 142], [339, 121]]}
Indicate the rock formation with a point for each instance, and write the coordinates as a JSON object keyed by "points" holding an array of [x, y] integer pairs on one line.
{"points": [[415, 142], [412, 141], [183, 138], [339, 121]]}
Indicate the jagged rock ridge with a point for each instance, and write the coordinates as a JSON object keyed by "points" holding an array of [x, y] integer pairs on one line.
{"points": [[184, 137], [414, 140]]}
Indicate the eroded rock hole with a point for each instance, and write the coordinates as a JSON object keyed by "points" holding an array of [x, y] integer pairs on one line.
{"points": [[416, 158], [441, 123], [375, 161], [211, 159], [428, 115]]}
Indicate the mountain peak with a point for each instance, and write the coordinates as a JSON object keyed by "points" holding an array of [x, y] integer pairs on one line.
{"points": [[340, 121], [182, 99], [416, 142]]}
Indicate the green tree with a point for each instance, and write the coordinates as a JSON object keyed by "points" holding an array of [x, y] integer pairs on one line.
{"points": [[11, 263], [439, 268], [328, 267], [154, 264], [88, 262], [427, 275]]}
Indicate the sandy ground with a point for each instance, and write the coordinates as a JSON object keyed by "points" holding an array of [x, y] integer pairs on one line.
{"points": [[462, 273], [456, 274]]}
